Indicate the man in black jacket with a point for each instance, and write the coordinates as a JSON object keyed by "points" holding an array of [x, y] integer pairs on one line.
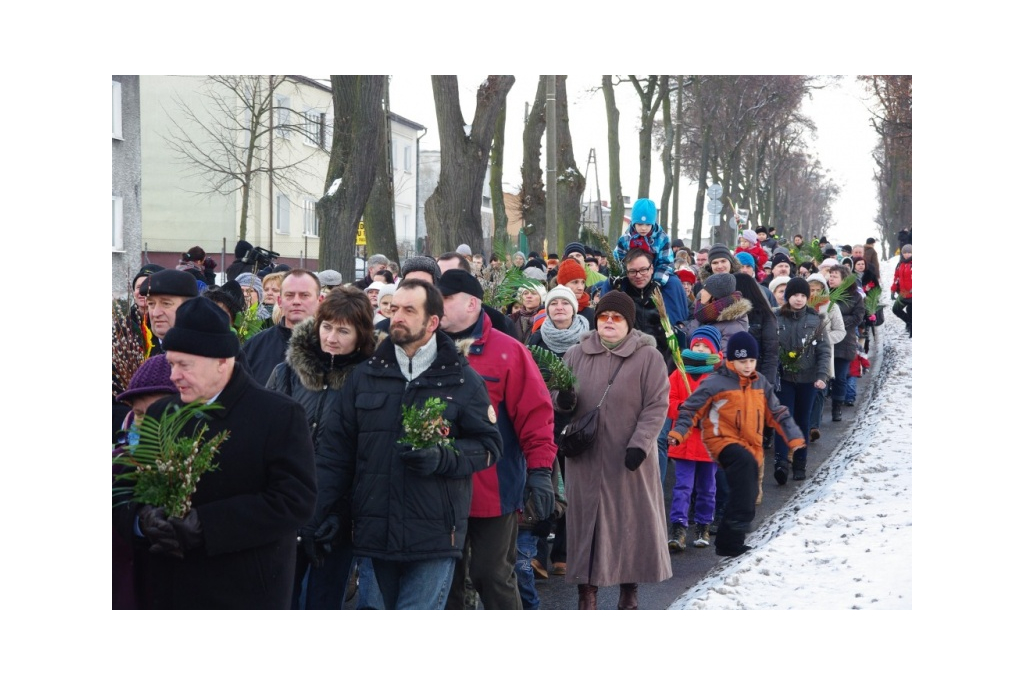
{"points": [[235, 548], [409, 506], [300, 295]]}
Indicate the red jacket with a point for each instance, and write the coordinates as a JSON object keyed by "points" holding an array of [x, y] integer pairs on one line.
{"points": [[525, 418], [901, 282], [692, 448]]}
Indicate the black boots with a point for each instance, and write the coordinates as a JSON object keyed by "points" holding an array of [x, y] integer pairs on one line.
{"points": [[588, 596], [729, 542], [627, 596], [837, 411], [781, 472]]}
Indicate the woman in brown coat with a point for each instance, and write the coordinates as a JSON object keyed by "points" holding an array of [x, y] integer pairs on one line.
{"points": [[616, 510]]}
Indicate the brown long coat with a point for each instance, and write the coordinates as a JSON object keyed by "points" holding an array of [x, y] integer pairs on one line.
{"points": [[616, 517]]}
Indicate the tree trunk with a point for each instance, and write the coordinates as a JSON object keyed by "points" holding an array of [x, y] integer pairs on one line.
{"points": [[452, 212], [571, 182], [614, 175], [354, 159], [666, 159], [379, 216], [702, 184], [650, 101], [532, 197], [497, 194], [677, 223]]}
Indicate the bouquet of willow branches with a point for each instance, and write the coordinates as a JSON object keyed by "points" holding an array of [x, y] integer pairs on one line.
{"points": [[425, 426], [556, 375], [164, 467], [127, 350]]}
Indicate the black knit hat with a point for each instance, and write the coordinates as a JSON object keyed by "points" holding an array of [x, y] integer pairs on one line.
{"points": [[146, 270], [458, 281], [741, 345], [780, 257], [170, 282], [718, 251], [574, 247], [201, 328], [797, 286], [720, 285], [620, 302]]}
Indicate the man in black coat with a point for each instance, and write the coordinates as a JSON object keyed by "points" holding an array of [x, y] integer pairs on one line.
{"points": [[235, 548], [299, 298], [409, 507]]}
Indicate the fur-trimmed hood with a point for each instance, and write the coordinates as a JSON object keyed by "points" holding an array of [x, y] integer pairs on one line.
{"points": [[311, 365]]}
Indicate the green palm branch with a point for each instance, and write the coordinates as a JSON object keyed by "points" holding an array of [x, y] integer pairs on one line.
{"points": [[557, 376], [507, 290], [841, 293], [871, 300], [670, 336]]}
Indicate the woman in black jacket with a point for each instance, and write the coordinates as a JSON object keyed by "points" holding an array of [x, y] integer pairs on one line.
{"points": [[321, 353]]}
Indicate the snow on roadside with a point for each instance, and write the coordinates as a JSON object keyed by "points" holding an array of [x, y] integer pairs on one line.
{"points": [[844, 542]]}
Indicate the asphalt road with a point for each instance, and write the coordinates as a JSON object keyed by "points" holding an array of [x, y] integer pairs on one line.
{"points": [[691, 565]]}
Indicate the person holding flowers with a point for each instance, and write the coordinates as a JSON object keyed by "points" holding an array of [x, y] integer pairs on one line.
{"points": [[232, 544]]}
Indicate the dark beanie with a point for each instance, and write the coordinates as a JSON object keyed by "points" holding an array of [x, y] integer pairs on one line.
{"points": [[741, 345], [241, 248], [422, 263], [146, 270], [718, 251], [720, 285], [620, 302], [780, 257], [170, 282], [574, 247], [153, 377], [201, 328], [797, 286]]}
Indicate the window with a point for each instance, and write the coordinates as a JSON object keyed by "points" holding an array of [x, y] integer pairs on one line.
{"points": [[283, 207], [328, 131], [313, 128], [408, 158], [116, 102], [310, 226], [282, 116], [117, 226]]}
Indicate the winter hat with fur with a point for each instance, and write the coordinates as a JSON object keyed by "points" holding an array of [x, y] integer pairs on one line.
{"points": [[620, 302], [720, 285], [742, 345], [560, 291], [776, 282]]}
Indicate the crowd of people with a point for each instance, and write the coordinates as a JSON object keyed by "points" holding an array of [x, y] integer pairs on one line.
{"points": [[326, 494]]}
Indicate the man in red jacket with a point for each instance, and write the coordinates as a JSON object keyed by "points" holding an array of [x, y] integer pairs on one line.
{"points": [[526, 422]]}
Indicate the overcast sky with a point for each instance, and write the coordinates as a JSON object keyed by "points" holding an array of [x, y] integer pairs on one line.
{"points": [[843, 144]]}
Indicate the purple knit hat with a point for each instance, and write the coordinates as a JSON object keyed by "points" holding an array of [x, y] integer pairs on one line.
{"points": [[152, 377]]}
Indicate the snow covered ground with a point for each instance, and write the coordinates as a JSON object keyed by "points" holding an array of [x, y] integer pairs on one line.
{"points": [[844, 542]]}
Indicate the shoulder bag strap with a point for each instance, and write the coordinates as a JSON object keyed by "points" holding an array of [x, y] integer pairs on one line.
{"points": [[610, 381]]}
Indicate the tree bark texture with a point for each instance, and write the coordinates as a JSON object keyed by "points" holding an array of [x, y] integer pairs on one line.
{"points": [[532, 198], [571, 182], [614, 172]]}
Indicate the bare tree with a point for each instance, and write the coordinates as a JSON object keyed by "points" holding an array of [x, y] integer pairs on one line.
{"points": [[532, 198], [893, 121], [379, 214], [497, 170], [571, 182], [614, 172], [452, 212], [355, 159], [226, 139], [650, 100]]}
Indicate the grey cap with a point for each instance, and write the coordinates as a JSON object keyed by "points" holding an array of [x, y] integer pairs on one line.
{"points": [[422, 263], [329, 278], [720, 285]]}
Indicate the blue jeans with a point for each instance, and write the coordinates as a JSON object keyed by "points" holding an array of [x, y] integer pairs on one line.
{"points": [[369, 593], [526, 550], [414, 584], [817, 407], [851, 388], [663, 448], [323, 587]]}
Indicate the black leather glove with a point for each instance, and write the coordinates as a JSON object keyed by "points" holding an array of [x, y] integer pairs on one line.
{"points": [[188, 530], [634, 457], [158, 530], [566, 399], [429, 460], [327, 531], [538, 483], [309, 546]]}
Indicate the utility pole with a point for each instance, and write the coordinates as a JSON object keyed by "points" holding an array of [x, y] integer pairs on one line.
{"points": [[551, 194]]}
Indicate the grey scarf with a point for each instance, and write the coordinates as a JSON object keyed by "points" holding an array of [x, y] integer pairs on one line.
{"points": [[558, 340]]}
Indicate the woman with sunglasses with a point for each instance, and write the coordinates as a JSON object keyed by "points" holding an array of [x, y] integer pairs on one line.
{"points": [[616, 505]]}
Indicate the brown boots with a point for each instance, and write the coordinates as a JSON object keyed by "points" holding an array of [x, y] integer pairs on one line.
{"points": [[627, 596], [588, 596]]}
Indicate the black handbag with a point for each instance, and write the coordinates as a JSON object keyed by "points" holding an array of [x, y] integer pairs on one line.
{"points": [[580, 434]]}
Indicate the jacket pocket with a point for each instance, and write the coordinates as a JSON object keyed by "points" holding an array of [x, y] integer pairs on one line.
{"points": [[371, 400]]}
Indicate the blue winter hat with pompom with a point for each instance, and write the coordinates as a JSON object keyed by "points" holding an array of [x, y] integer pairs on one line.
{"points": [[644, 212]]}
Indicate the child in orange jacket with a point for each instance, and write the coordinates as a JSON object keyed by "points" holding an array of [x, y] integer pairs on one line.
{"points": [[729, 409], [695, 470]]}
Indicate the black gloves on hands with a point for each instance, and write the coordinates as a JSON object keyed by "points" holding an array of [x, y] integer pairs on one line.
{"points": [[634, 457], [429, 460], [170, 536], [542, 492], [316, 542], [566, 399]]}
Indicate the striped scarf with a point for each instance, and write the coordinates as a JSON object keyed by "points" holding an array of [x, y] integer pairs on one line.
{"points": [[699, 363]]}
